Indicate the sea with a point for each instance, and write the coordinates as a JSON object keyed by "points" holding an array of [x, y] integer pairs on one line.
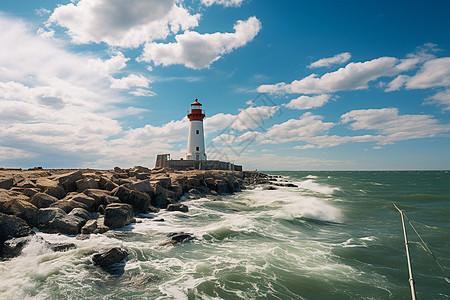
{"points": [[336, 235]]}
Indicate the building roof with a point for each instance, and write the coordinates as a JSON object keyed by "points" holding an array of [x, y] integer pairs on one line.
{"points": [[196, 102]]}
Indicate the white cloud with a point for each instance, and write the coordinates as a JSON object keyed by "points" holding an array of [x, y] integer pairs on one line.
{"points": [[307, 102], [308, 125], [132, 80], [441, 98], [397, 83], [198, 51], [354, 76], [122, 23], [434, 73], [329, 61], [222, 2], [394, 127]]}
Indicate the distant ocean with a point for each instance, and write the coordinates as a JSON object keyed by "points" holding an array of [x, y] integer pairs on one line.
{"points": [[335, 236]]}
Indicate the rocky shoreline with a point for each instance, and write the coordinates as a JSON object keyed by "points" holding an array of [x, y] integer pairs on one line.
{"points": [[86, 201]]}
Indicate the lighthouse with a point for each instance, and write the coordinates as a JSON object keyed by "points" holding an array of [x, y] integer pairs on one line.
{"points": [[196, 139]]}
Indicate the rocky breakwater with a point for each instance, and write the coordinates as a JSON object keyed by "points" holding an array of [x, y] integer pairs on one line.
{"points": [[94, 201]]}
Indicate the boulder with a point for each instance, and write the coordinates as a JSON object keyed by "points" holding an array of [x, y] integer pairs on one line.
{"points": [[178, 238], [143, 187], [210, 183], [12, 227], [118, 215], [162, 196], [177, 207], [42, 200], [221, 186], [140, 201], [86, 183], [110, 257], [20, 208], [13, 247], [6, 183], [22, 182], [55, 220], [106, 184], [80, 212], [29, 192], [68, 180], [162, 180], [89, 227], [61, 247], [51, 187], [75, 200], [142, 176]]}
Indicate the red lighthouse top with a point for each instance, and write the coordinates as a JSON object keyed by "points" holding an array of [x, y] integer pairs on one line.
{"points": [[196, 102], [196, 114]]}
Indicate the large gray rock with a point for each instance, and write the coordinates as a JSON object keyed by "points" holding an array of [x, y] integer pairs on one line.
{"points": [[51, 187], [55, 220], [20, 208], [89, 227], [143, 187], [68, 180], [80, 212], [75, 200], [140, 201], [86, 183], [162, 180], [42, 200], [12, 227], [178, 207], [100, 196], [118, 215], [110, 257]]}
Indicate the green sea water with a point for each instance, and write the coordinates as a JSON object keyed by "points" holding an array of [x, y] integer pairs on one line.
{"points": [[335, 236]]}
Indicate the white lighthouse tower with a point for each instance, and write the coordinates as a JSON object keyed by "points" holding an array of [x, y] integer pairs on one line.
{"points": [[196, 139]]}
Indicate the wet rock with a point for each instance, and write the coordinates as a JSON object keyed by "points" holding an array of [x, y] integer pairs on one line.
{"points": [[13, 247], [12, 227], [86, 183], [143, 187], [159, 220], [20, 208], [89, 227], [68, 180], [162, 180], [177, 207], [178, 238], [55, 220], [42, 200], [51, 187], [269, 188], [221, 186], [110, 257], [61, 247], [285, 184], [118, 215]]}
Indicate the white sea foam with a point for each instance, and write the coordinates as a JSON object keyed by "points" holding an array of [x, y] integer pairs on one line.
{"points": [[311, 185]]}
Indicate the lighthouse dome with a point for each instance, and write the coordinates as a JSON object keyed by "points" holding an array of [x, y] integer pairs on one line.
{"points": [[196, 102]]}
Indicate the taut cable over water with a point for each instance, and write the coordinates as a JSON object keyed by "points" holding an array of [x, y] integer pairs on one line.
{"points": [[425, 246]]}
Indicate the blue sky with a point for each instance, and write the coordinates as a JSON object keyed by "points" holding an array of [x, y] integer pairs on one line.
{"points": [[286, 85]]}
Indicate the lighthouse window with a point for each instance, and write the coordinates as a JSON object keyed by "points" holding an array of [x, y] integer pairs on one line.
{"points": [[197, 148], [197, 132]]}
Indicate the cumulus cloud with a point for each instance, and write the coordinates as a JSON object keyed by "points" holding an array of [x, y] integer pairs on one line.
{"points": [[329, 61], [198, 51], [354, 76], [222, 2], [394, 127], [434, 73], [136, 84], [122, 23], [308, 125], [307, 102]]}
